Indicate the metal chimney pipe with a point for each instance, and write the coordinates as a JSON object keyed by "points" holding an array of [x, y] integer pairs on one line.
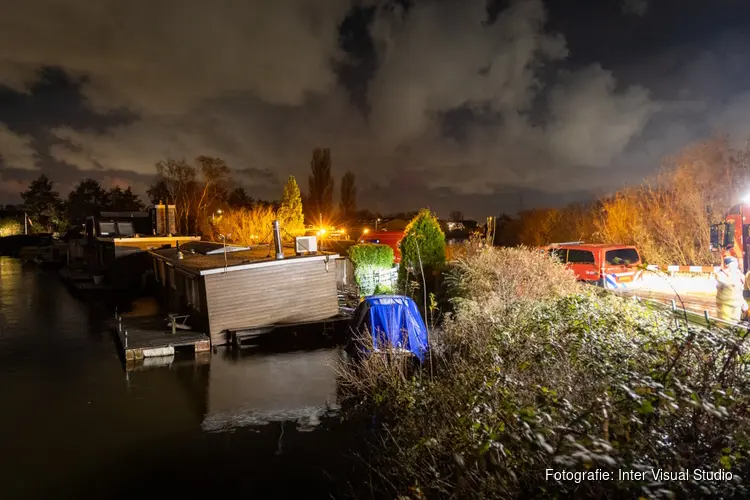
{"points": [[277, 240]]}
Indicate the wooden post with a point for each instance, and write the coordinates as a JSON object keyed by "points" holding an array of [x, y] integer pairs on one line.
{"points": [[705, 315]]}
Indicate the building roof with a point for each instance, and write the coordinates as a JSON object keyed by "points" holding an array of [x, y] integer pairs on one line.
{"points": [[199, 263]]}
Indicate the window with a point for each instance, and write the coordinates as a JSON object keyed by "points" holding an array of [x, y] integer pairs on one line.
{"points": [[622, 257], [560, 253], [728, 234], [107, 228], [580, 257], [125, 228]]}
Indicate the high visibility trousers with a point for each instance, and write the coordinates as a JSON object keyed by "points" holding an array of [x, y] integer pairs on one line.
{"points": [[729, 310]]}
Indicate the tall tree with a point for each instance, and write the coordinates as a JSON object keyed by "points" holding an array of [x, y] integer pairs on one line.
{"points": [[238, 198], [85, 199], [290, 212], [178, 178], [41, 202], [211, 187], [158, 191], [348, 203], [321, 185], [121, 200]]}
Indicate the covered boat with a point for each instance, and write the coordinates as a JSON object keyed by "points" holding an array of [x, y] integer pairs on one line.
{"points": [[393, 321]]}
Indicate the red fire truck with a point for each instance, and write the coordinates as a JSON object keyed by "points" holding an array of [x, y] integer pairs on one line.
{"points": [[732, 236]]}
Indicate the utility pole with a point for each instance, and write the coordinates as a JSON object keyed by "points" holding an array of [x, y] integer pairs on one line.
{"points": [[25, 224]]}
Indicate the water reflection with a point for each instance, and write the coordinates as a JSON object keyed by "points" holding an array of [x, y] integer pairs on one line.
{"points": [[76, 423], [256, 390]]}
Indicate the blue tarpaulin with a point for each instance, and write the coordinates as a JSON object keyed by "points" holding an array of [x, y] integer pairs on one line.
{"points": [[392, 320]]}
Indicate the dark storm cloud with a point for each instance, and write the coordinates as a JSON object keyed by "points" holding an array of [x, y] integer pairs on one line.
{"points": [[455, 105], [635, 7]]}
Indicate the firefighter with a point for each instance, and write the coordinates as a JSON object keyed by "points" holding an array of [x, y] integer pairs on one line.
{"points": [[730, 283]]}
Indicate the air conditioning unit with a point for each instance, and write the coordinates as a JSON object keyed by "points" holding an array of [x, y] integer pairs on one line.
{"points": [[305, 244]]}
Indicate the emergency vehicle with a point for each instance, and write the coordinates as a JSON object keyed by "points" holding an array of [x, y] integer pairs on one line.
{"points": [[384, 237], [602, 264], [731, 237]]}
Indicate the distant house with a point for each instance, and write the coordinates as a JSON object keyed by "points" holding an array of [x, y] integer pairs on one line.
{"points": [[459, 231], [231, 288]]}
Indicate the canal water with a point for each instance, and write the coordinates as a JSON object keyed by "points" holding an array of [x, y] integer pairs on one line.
{"points": [[75, 424]]}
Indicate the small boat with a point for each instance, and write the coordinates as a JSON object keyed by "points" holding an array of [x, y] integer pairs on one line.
{"points": [[388, 324]]}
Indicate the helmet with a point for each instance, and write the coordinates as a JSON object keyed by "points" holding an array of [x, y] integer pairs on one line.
{"points": [[730, 260]]}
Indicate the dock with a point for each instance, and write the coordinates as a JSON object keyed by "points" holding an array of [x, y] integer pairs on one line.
{"points": [[150, 336], [202, 358]]}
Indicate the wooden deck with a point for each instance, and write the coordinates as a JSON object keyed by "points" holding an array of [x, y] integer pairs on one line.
{"points": [[145, 364], [144, 337]]}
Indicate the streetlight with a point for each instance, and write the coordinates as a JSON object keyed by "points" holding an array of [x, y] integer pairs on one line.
{"points": [[213, 214], [376, 223]]}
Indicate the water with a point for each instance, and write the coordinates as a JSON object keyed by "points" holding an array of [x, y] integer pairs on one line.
{"points": [[74, 424]]}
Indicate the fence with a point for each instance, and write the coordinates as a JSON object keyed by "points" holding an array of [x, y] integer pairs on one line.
{"points": [[369, 281]]}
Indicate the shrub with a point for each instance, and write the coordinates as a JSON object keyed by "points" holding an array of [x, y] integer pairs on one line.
{"points": [[10, 226], [371, 255], [368, 260], [534, 372], [248, 226]]}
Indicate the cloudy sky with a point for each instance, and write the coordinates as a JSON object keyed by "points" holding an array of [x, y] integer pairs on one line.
{"points": [[455, 104]]}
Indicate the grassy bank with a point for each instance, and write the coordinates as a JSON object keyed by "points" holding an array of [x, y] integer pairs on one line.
{"points": [[533, 372]]}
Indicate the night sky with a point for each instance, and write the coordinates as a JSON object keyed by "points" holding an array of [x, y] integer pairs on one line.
{"points": [[457, 105]]}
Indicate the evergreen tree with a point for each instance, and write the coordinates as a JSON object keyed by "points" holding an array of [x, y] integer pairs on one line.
{"points": [[321, 185], [422, 248], [348, 196], [41, 202], [290, 212]]}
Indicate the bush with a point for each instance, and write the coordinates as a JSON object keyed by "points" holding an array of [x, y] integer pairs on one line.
{"points": [[248, 226], [368, 260], [371, 255], [534, 372], [10, 226]]}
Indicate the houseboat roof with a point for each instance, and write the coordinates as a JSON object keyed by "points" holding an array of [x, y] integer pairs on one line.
{"points": [[208, 258]]}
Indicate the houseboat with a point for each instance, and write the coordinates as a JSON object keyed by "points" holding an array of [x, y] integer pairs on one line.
{"points": [[229, 289], [114, 245]]}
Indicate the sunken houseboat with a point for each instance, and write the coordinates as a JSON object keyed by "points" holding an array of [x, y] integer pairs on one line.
{"points": [[229, 290]]}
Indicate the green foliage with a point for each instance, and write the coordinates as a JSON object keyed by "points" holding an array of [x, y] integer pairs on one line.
{"points": [[383, 289], [423, 240], [566, 377], [290, 212], [88, 197], [348, 203], [10, 226], [41, 202], [371, 256], [368, 259]]}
